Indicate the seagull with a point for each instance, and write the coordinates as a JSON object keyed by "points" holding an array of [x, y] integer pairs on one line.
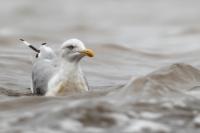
{"points": [[44, 56], [60, 75]]}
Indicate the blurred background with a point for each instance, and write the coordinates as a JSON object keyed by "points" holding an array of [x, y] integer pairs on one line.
{"points": [[134, 23], [145, 27]]}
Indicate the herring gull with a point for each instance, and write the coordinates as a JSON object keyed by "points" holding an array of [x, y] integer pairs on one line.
{"points": [[43, 64], [54, 75]]}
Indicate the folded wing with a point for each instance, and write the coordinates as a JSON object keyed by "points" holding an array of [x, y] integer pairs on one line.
{"points": [[43, 69]]}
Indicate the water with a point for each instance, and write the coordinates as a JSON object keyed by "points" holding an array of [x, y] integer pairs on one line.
{"points": [[145, 76]]}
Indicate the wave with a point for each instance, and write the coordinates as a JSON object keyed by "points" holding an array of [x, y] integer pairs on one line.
{"points": [[174, 79]]}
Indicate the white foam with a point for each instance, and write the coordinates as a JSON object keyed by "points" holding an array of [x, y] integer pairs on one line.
{"points": [[150, 115], [71, 125], [138, 126], [196, 120]]}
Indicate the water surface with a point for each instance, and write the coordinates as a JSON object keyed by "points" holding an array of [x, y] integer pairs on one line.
{"points": [[145, 76]]}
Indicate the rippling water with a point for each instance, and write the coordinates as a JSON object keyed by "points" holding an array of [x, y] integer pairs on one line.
{"points": [[145, 76]]}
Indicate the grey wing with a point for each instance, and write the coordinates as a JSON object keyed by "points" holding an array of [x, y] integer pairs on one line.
{"points": [[42, 71]]}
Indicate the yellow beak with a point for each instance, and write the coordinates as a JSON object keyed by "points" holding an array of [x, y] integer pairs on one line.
{"points": [[87, 52]]}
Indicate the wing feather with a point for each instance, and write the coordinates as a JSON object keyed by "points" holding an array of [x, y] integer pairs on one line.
{"points": [[42, 71]]}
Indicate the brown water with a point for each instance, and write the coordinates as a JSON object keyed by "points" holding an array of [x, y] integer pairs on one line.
{"points": [[145, 76]]}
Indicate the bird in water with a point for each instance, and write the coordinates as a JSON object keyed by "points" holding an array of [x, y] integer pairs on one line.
{"points": [[58, 75]]}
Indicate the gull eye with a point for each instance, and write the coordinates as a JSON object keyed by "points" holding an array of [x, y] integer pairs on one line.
{"points": [[70, 47]]}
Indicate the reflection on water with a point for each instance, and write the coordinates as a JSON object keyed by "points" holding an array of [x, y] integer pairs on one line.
{"points": [[141, 79]]}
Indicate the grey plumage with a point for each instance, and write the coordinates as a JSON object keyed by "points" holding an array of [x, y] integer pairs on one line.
{"points": [[43, 67], [42, 71]]}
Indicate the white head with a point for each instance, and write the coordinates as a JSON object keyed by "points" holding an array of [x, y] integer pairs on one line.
{"points": [[46, 52], [73, 50]]}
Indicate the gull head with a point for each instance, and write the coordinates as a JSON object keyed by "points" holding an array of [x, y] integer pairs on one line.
{"points": [[45, 52], [73, 50]]}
